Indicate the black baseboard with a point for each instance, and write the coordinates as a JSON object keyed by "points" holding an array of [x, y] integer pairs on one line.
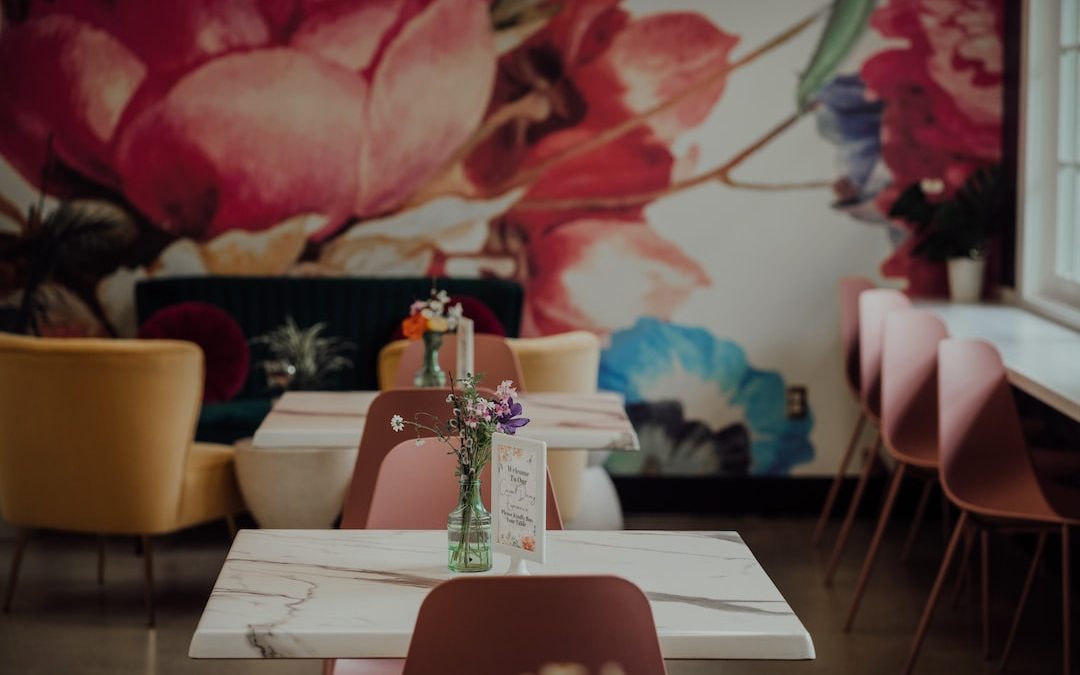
{"points": [[767, 496]]}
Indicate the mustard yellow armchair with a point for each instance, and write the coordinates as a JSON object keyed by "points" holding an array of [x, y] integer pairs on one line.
{"points": [[96, 436]]}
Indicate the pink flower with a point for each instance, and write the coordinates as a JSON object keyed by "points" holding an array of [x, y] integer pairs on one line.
{"points": [[652, 276], [211, 116], [528, 543], [600, 67], [943, 103]]}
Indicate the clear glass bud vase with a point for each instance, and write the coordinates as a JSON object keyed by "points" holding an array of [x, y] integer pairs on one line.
{"points": [[469, 529], [430, 373]]}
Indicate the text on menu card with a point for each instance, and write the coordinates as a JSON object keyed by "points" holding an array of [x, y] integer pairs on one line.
{"points": [[519, 496]]}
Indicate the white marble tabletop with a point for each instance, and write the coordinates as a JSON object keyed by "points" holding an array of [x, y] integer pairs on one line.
{"points": [[357, 593], [332, 419], [1042, 357]]}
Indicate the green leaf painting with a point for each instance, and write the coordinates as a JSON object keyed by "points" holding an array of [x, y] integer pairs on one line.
{"points": [[845, 26]]}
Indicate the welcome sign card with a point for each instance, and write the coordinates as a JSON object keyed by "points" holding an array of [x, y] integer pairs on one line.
{"points": [[519, 498]]}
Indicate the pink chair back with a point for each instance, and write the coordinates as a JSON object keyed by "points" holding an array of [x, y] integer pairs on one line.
{"points": [[909, 382], [528, 622], [415, 487], [874, 306], [850, 288], [492, 357], [985, 464]]}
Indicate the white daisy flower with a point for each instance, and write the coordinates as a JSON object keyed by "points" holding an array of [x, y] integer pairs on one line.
{"points": [[397, 423]]}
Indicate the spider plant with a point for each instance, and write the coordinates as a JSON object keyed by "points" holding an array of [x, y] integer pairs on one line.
{"points": [[313, 356]]}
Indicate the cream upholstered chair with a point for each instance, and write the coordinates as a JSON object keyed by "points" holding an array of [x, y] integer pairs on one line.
{"points": [[96, 437], [570, 363]]}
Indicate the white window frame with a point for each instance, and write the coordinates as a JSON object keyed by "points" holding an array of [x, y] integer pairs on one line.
{"points": [[1039, 285]]}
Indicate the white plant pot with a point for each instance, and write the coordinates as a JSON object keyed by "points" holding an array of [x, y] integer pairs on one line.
{"points": [[966, 279]]}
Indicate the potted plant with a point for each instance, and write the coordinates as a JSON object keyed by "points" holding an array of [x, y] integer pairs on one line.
{"points": [[303, 359], [957, 229]]}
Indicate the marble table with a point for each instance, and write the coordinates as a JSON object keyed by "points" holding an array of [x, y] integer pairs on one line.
{"points": [[356, 593], [1042, 357], [321, 419]]}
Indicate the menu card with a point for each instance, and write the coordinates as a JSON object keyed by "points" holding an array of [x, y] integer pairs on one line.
{"points": [[519, 498]]}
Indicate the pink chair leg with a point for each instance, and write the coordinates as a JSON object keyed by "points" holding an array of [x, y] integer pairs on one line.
{"points": [[875, 543], [935, 593], [984, 579], [916, 522], [853, 508], [1023, 601], [834, 489], [1066, 605]]}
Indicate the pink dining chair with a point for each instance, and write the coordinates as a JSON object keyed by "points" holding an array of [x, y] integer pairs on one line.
{"points": [[874, 305], [398, 485], [986, 470], [529, 622], [492, 357], [410, 468], [850, 288], [908, 419]]}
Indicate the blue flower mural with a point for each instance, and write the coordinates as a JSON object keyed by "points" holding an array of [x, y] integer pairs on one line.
{"points": [[698, 406]]}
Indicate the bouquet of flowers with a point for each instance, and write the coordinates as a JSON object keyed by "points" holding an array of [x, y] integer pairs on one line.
{"points": [[467, 434], [434, 315]]}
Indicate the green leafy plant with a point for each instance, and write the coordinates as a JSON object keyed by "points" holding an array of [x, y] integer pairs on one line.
{"points": [[960, 226], [313, 356]]}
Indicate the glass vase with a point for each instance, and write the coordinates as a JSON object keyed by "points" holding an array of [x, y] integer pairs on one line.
{"points": [[469, 529], [430, 373]]}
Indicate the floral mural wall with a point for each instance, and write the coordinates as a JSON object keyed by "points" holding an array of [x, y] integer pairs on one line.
{"points": [[687, 179]]}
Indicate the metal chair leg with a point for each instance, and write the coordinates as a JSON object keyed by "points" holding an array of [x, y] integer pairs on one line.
{"points": [[1023, 601], [838, 480], [148, 568], [984, 595], [875, 543], [935, 593], [916, 523], [21, 538], [101, 559], [853, 508], [962, 570], [1066, 605]]}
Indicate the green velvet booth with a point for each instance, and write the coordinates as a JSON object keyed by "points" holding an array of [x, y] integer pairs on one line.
{"points": [[364, 311]]}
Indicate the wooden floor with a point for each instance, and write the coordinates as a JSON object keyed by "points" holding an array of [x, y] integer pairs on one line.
{"points": [[64, 623]]}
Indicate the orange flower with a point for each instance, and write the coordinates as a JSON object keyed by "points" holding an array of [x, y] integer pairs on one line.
{"points": [[528, 543], [414, 326]]}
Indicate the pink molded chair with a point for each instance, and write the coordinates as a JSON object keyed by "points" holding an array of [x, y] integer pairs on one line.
{"points": [[874, 305], [398, 485], [492, 357], [528, 622], [987, 472], [410, 463], [850, 288], [908, 418]]}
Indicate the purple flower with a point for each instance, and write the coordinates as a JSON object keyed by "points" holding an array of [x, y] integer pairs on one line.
{"points": [[508, 421]]}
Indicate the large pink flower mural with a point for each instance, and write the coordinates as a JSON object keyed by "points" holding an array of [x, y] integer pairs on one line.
{"points": [[211, 116], [942, 117], [447, 136]]}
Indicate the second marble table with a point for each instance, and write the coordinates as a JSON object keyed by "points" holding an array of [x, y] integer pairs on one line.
{"points": [[356, 593]]}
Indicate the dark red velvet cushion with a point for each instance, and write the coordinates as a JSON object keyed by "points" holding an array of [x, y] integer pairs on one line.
{"points": [[484, 320], [223, 343]]}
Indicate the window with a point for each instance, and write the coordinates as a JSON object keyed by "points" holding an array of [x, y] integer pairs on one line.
{"points": [[1050, 158]]}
